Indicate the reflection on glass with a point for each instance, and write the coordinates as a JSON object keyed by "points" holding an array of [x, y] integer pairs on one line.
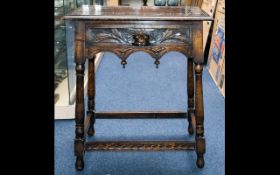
{"points": [[99, 2], [172, 2], [60, 56], [160, 2]]}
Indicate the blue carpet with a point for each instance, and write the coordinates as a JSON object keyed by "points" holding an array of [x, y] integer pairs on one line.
{"points": [[142, 87]]}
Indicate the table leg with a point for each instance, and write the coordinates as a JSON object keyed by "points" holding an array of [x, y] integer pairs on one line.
{"points": [[199, 115], [91, 94], [79, 116], [190, 87]]}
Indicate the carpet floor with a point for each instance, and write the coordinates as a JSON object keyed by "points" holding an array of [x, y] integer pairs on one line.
{"points": [[142, 87]]}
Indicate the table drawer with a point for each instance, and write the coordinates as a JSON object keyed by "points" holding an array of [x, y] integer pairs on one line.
{"points": [[137, 36]]}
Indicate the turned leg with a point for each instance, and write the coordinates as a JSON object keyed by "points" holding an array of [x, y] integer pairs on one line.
{"points": [[190, 94], [199, 115], [91, 94], [79, 116]]}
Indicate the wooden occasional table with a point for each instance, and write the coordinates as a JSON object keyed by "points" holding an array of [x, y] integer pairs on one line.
{"points": [[124, 30]]}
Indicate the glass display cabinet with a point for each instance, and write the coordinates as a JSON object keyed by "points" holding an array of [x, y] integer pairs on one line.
{"points": [[60, 57], [64, 75], [63, 63]]}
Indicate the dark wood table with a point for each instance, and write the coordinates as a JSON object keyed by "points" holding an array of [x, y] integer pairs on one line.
{"points": [[124, 30]]}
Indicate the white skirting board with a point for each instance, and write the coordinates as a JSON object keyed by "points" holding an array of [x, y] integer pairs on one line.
{"points": [[62, 109]]}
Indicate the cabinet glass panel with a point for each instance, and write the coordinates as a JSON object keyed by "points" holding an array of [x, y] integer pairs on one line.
{"points": [[60, 55], [64, 51]]}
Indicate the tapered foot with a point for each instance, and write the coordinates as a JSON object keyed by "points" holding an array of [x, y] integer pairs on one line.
{"points": [[200, 162], [79, 164], [90, 131]]}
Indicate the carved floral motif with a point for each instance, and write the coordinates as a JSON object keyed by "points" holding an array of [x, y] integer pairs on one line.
{"points": [[124, 42], [126, 36], [141, 39]]}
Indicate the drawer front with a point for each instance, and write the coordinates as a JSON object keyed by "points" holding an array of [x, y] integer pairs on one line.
{"points": [[138, 36]]}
